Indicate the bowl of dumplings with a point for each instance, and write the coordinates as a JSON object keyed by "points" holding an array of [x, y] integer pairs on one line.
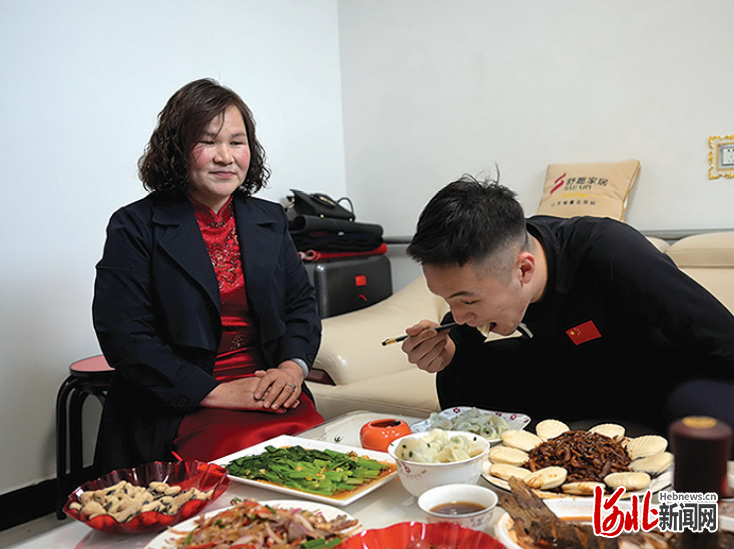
{"points": [[437, 457]]}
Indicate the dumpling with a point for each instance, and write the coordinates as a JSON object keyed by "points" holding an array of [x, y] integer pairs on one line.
{"points": [[437, 447], [412, 449], [488, 425], [459, 448], [475, 448], [437, 421], [436, 436], [422, 449], [451, 453]]}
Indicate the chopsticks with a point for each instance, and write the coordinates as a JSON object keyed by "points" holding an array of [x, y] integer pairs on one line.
{"points": [[440, 328]]}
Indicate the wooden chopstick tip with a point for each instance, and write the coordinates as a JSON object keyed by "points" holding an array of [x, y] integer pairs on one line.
{"points": [[398, 339]]}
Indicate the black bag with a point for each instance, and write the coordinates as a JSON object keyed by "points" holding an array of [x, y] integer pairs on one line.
{"points": [[326, 234], [320, 205]]}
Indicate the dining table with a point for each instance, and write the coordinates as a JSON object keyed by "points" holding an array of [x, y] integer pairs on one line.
{"points": [[387, 505]]}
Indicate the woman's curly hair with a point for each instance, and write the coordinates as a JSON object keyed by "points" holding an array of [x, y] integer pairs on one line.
{"points": [[164, 166]]}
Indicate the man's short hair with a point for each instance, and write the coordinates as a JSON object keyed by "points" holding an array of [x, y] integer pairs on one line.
{"points": [[468, 221]]}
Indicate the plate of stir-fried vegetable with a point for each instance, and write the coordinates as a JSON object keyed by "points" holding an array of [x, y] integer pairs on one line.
{"points": [[329, 473], [248, 524]]}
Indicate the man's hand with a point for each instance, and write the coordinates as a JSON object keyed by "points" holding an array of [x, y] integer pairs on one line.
{"points": [[428, 349]]}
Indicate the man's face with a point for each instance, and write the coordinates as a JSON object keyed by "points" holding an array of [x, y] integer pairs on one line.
{"points": [[478, 298]]}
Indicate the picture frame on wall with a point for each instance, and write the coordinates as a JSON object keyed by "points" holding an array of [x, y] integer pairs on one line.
{"points": [[721, 156]]}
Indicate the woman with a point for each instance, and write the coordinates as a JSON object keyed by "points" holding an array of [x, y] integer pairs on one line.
{"points": [[202, 305]]}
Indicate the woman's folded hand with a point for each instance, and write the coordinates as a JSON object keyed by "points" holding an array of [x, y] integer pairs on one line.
{"points": [[238, 394], [280, 387], [274, 390]]}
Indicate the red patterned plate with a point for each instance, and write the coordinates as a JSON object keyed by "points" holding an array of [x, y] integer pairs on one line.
{"points": [[399, 535], [187, 474]]}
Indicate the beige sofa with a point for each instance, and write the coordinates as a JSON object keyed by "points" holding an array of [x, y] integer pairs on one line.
{"points": [[356, 372]]}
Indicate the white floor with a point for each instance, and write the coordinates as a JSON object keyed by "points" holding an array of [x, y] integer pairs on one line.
{"points": [[22, 532]]}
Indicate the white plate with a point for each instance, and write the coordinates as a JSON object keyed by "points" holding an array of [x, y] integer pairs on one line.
{"points": [[514, 420], [658, 483], [283, 441], [164, 539]]}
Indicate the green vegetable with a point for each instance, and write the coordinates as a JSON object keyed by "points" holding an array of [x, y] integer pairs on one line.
{"points": [[321, 543], [323, 472]]}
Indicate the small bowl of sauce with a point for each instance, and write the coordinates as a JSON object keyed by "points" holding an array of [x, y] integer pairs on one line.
{"points": [[468, 505], [458, 508]]}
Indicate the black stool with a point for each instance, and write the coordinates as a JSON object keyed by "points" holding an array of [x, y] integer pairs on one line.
{"points": [[89, 376]]}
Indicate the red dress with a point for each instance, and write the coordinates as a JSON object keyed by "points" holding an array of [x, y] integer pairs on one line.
{"points": [[211, 433]]}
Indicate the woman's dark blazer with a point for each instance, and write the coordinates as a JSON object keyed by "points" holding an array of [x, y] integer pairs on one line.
{"points": [[156, 313]]}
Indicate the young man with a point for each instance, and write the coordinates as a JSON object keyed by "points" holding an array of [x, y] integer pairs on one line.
{"points": [[603, 326]]}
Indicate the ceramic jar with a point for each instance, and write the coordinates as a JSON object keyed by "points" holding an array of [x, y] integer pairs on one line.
{"points": [[379, 433]]}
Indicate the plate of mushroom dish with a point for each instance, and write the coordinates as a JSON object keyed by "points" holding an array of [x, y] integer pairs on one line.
{"points": [[148, 498], [529, 522], [556, 461]]}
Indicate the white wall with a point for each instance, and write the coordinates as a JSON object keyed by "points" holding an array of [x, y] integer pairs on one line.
{"points": [[427, 89], [434, 89], [82, 84]]}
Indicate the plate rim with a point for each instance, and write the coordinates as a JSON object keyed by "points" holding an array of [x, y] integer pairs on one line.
{"points": [[422, 526], [664, 480]]}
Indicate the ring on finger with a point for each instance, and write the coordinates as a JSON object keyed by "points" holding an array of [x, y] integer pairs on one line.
{"points": [[291, 386]]}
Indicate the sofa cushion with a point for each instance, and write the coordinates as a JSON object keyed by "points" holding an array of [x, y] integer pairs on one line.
{"points": [[709, 260], [716, 281], [710, 250], [410, 392], [351, 347], [659, 243], [596, 189]]}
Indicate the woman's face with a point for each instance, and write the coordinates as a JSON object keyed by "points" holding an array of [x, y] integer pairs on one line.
{"points": [[219, 160]]}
